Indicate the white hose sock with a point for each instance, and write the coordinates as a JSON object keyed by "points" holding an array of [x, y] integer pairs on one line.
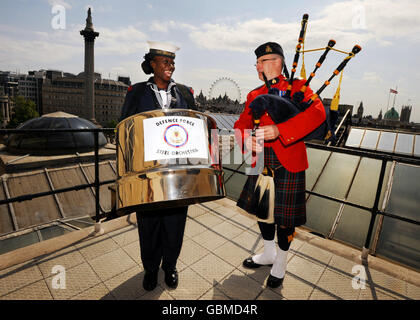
{"points": [[278, 269], [269, 254]]}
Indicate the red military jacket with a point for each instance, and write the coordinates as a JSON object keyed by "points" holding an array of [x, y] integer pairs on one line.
{"points": [[290, 150]]}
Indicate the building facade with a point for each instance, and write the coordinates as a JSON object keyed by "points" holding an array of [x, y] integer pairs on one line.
{"points": [[342, 108], [30, 87], [360, 110], [220, 104], [9, 82], [405, 114], [67, 93], [27, 85], [109, 99], [4, 107]]}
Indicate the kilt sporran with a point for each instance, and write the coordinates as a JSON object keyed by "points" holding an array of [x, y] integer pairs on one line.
{"points": [[277, 189], [261, 197]]}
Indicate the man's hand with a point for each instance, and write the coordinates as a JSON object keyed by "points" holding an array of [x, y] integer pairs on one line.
{"points": [[255, 143], [270, 132]]}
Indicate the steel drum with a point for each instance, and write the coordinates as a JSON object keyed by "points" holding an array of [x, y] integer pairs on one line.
{"points": [[167, 158]]}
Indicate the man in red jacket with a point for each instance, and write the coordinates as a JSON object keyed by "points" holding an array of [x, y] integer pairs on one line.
{"points": [[285, 152]]}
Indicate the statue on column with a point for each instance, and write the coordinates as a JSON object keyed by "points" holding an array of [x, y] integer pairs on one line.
{"points": [[89, 24]]}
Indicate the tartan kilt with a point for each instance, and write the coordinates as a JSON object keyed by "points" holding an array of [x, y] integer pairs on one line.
{"points": [[289, 203]]}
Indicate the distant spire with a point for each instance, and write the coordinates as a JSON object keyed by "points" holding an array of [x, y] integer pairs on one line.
{"points": [[360, 110]]}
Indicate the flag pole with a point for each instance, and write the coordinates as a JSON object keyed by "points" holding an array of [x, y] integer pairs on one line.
{"points": [[396, 89]]}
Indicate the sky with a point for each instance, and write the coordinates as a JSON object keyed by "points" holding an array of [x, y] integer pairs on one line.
{"points": [[217, 40]]}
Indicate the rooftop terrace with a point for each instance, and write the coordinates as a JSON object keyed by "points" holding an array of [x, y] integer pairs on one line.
{"points": [[107, 265]]}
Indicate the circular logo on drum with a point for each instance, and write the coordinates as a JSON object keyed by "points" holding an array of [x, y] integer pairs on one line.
{"points": [[175, 135]]}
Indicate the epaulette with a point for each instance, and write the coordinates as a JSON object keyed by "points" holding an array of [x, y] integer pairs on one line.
{"points": [[257, 88], [187, 93], [137, 88]]}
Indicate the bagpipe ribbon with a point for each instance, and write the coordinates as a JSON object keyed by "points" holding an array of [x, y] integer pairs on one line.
{"points": [[336, 99]]}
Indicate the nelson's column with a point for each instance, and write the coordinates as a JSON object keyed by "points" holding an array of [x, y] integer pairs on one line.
{"points": [[89, 34]]}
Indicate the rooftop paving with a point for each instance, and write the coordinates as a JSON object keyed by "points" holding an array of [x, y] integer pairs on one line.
{"points": [[107, 265]]}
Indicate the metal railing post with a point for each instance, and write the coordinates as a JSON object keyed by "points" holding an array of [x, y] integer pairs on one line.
{"points": [[96, 184], [374, 212], [98, 227]]}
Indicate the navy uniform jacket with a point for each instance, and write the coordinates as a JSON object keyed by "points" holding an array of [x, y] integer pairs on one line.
{"points": [[140, 98], [154, 246]]}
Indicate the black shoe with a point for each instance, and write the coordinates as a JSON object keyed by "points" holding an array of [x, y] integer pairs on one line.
{"points": [[249, 263], [274, 282], [150, 280], [171, 278]]}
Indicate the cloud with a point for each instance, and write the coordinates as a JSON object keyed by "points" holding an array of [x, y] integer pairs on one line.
{"points": [[46, 48], [202, 78], [39, 48], [372, 77], [105, 8], [160, 27], [165, 26], [241, 36], [383, 19], [59, 2], [92, 8], [348, 22], [125, 40], [45, 54], [245, 36], [128, 68]]}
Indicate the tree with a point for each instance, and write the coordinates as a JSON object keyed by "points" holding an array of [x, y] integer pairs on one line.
{"points": [[23, 110], [111, 123]]}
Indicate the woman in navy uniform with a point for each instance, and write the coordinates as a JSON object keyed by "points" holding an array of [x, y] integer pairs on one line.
{"points": [[161, 232]]}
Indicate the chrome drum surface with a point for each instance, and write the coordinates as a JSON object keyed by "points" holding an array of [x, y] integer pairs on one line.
{"points": [[167, 158]]}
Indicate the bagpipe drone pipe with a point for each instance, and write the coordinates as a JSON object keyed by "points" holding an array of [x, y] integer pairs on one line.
{"points": [[282, 108]]}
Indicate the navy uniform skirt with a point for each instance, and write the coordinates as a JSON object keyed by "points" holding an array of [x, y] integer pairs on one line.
{"points": [[290, 206]]}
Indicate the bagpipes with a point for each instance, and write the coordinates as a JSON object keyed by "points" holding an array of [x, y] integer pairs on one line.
{"points": [[282, 108], [261, 190]]}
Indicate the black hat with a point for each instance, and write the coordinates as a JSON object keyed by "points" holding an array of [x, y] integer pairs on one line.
{"points": [[269, 48]]}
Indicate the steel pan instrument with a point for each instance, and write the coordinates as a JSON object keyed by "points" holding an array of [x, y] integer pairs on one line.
{"points": [[167, 158]]}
